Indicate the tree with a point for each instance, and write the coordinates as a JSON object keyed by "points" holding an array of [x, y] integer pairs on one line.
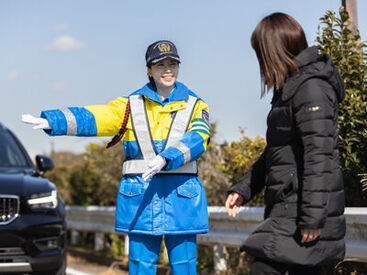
{"points": [[84, 183], [215, 181], [89, 178], [349, 56], [222, 165], [60, 175], [239, 156], [96, 179]]}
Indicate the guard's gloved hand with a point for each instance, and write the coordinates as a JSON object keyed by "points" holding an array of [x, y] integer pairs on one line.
{"points": [[37, 122], [154, 167]]}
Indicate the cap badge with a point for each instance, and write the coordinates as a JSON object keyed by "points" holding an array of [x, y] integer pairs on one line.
{"points": [[164, 48]]}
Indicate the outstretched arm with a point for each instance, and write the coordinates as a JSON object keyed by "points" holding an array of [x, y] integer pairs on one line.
{"points": [[94, 120]]}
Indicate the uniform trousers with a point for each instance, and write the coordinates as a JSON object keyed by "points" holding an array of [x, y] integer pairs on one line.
{"points": [[264, 267], [144, 252]]}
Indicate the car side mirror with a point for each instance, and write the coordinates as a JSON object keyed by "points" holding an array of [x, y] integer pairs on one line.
{"points": [[44, 163]]}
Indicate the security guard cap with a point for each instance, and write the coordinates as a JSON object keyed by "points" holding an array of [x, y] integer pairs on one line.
{"points": [[159, 51]]}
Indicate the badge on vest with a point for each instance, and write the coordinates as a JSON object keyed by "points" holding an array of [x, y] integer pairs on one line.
{"points": [[205, 116]]}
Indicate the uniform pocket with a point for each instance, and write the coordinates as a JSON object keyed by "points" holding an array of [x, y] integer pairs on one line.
{"points": [[130, 189], [188, 190]]}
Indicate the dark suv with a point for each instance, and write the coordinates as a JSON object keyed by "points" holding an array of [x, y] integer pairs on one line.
{"points": [[32, 214]]}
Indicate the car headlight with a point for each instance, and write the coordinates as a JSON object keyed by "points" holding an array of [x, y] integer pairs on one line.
{"points": [[45, 200]]}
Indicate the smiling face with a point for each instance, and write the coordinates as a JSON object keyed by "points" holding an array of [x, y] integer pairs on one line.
{"points": [[164, 73]]}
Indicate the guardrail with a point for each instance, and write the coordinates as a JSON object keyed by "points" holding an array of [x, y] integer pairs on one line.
{"points": [[224, 231]]}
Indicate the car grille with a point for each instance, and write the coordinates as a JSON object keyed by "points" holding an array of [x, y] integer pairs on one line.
{"points": [[9, 208], [11, 254]]}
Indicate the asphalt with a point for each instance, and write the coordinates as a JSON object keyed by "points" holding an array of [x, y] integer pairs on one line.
{"points": [[79, 266]]}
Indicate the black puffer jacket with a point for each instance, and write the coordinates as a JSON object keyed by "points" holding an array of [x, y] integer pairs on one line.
{"points": [[300, 169]]}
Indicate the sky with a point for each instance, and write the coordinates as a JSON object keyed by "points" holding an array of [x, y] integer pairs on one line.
{"points": [[56, 54]]}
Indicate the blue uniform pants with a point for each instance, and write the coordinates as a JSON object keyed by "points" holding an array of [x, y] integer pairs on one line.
{"points": [[144, 251]]}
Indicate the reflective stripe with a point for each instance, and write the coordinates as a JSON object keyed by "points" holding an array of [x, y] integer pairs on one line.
{"points": [[184, 150], [139, 166], [71, 122], [180, 122], [140, 125], [200, 124], [195, 128]]}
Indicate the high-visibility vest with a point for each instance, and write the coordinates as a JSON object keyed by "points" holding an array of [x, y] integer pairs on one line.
{"points": [[141, 128]]}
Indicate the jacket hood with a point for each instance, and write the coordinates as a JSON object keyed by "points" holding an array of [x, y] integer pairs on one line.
{"points": [[314, 65]]}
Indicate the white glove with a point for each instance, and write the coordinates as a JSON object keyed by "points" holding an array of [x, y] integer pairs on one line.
{"points": [[37, 122], [154, 167]]}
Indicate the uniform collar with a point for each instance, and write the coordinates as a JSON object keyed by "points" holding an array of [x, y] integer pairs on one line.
{"points": [[180, 93]]}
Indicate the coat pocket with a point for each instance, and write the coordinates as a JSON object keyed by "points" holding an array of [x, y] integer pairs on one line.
{"points": [[281, 187], [130, 189], [188, 189], [289, 188]]}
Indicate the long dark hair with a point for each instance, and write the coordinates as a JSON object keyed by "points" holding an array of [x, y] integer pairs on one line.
{"points": [[277, 40], [151, 80]]}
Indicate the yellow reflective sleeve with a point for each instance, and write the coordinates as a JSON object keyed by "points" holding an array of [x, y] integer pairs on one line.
{"points": [[109, 117], [200, 121]]}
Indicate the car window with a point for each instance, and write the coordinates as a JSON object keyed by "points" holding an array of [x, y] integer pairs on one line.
{"points": [[10, 153]]}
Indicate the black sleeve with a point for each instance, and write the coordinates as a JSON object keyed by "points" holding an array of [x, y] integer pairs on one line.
{"points": [[253, 181], [314, 108]]}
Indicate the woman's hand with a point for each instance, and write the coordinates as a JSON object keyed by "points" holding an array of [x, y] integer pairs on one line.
{"points": [[37, 122], [233, 204], [309, 235]]}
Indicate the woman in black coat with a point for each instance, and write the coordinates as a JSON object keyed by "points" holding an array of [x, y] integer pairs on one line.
{"points": [[304, 225]]}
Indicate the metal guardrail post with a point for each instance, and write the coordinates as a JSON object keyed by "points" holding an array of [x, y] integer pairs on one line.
{"points": [[74, 237], [98, 241], [220, 262]]}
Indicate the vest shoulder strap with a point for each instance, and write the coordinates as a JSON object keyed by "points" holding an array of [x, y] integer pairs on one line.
{"points": [[140, 123], [181, 122]]}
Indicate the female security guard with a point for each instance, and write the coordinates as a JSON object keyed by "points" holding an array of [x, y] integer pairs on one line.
{"points": [[166, 131]]}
